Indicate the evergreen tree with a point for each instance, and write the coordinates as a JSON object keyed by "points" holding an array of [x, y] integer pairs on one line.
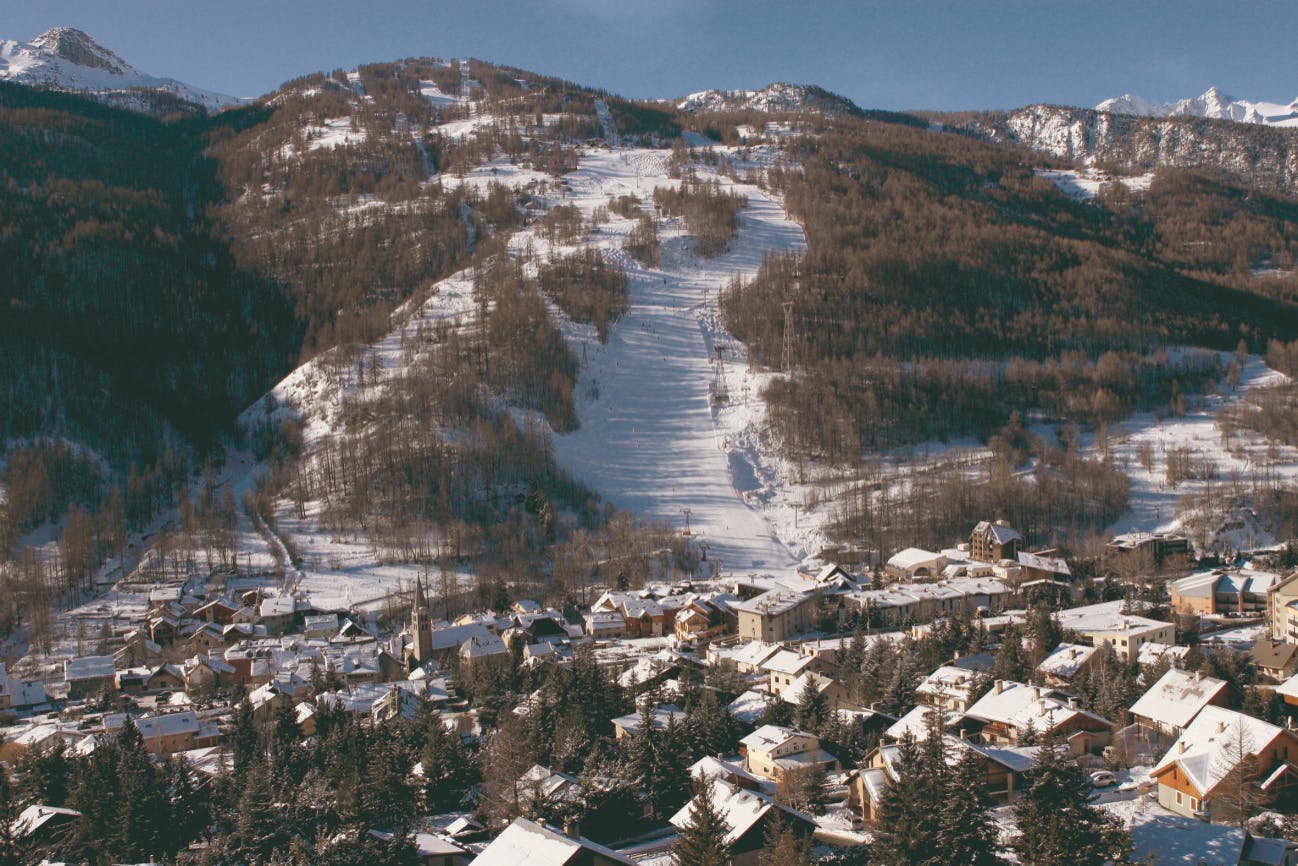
{"points": [[702, 842], [447, 768], [969, 834], [908, 816], [784, 847], [1058, 826], [813, 707]]}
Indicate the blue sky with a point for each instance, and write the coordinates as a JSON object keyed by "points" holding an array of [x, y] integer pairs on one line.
{"points": [[943, 54]]}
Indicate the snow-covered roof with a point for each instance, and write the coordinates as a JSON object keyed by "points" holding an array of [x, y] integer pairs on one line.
{"points": [[88, 667], [748, 707], [1051, 564], [527, 843], [769, 737], [660, 718], [1151, 652], [1066, 660], [34, 817], [787, 662], [1204, 748], [913, 557], [1106, 617], [1027, 707], [169, 725], [792, 693], [947, 680], [740, 808], [709, 767], [772, 602], [1003, 534], [1177, 697], [481, 647]]}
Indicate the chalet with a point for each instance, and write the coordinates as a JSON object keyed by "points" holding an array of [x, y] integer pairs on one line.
{"points": [[18, 694], [949, 688], [276, 613], [138, 649], [434, 850], [478, 651], [914, 564], [775, 615], [1282, 609], [748, 816], [784, 667], [323, 625], [709, 767], [217, 611], [1146, 548], [1107, 623], [176, 732], [44, 826], [772, 751], [748, 658], [992, 542], [1237, 590], [1003, 769], [88, 676], [1043, 566], [541, 786], [206, 672], [1063, 665], [1275, 660], [1011, 711], [609, 624], [528, 842], [1172, 703], [834, 692], [660, 717], [1196, 769]]}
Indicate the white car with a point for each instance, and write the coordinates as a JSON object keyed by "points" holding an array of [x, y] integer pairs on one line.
{"points": [[1103, 779]]}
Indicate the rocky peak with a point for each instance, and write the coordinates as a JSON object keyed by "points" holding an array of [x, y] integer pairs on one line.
{"points": [[78, 47]]}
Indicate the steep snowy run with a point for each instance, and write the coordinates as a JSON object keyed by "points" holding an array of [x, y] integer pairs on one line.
{"points": [[68, 59], [1212, 104]]}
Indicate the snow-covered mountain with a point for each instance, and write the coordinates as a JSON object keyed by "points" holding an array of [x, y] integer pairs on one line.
{"points": [[777, 97], [68, 59], [1213, 103]]}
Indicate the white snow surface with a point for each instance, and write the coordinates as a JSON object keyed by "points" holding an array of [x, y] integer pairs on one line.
{"points": [[1213, 103], [1084, 184], [67, 59], [650, 439]]}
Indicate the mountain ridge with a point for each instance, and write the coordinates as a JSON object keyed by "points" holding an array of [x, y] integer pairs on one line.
{"points": [[1213, 103], [64, 58]]}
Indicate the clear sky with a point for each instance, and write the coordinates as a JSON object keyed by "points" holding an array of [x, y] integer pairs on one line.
{"points": [[938, 54]]}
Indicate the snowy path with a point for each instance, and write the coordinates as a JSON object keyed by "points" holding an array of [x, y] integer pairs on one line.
{"points": [[648, 441]]}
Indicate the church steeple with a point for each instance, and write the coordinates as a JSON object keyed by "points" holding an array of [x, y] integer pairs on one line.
{"points": [[421, 627]]}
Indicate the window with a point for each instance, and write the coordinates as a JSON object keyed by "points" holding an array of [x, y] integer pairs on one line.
{"points": [[1194, 804], [1178, 798]]}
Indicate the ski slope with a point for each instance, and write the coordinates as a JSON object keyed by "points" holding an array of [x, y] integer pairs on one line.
{"points": [[649, 439]]}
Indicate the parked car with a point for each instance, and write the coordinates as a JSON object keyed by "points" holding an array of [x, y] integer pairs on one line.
{"points": [[1103, 779]]}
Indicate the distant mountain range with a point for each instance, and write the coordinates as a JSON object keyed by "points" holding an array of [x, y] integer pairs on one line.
{"points": [[1212, 104], [68, 59]]}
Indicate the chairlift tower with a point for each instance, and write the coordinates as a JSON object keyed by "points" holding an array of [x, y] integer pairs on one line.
{"points": [[786, 355], [719, 393]]}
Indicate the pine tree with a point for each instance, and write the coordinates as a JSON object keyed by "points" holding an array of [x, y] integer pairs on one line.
{"points": [[702, 842], [969, 834], [783, 846], [908, 815], [1058, 826], [813, 707]]}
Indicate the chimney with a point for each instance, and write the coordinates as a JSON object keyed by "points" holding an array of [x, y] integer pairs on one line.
{"points": [[1041, 707], [1072, 703], [1198, 676], [998, 687], [962, 733], [1036, 692], [1221, 727], [1184, 747]]}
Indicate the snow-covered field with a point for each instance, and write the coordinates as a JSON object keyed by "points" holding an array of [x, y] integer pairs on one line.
{"points": [[1245, 457], [1084, 184]]}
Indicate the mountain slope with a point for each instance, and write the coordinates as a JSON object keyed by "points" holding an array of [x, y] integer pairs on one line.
{"points": [[1211, 104], [68, 59], [779, 97], [1255, 155]]}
